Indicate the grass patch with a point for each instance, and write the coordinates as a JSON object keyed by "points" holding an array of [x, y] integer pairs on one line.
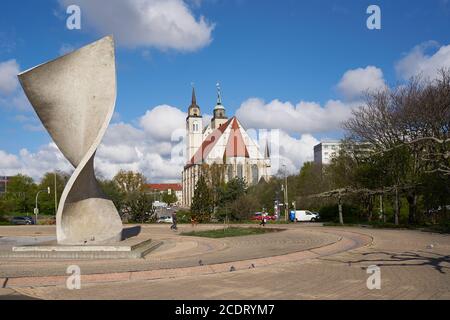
{"points": [[229, 232], [439, 228]]}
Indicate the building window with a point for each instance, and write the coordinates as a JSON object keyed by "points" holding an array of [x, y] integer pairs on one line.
{"points": [[255, 175], [240, 171], [230, 172]]}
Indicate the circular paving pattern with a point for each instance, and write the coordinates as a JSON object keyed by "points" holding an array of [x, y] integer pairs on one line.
{"points": [[183, 255]]}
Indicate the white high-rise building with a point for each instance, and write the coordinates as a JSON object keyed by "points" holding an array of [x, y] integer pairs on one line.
{"points": [[325, 151]]}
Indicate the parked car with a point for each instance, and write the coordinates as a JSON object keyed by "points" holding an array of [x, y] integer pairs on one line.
{"points": [[165, 219], [22, 221], [303, 216], [259, 216]]}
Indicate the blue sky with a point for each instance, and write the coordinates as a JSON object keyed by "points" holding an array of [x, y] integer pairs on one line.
{"points": [[288, 50]]}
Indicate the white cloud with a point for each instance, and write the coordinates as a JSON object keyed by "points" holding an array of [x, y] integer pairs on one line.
{"points": [[304, 117], [8, 77], [139, 148], [419, 61], [291, 152], [9, 161], [46, 159], [355, 82], [162, 24], [11, 96], [162, 121], [152, 150]]}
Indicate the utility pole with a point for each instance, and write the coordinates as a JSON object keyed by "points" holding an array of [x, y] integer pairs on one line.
{"points": [[286, 200], [56, 197], [36, 208]]}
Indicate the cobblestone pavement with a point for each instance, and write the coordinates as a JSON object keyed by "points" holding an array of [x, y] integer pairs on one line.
{"points": [[176, 252], [413, 265]]}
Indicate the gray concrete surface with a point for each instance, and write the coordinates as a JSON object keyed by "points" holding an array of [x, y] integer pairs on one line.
{"points": [[74, 97], [410, 269], [176, 251]]}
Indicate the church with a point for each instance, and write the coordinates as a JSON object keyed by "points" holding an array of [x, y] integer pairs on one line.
{"points": [[223, 141]]}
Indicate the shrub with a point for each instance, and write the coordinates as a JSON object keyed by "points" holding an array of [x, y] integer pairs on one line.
{"points": [[330, 213]]}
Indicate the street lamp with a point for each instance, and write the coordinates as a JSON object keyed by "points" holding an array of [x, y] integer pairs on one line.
{"points": [[286, 201], [36, 209]]}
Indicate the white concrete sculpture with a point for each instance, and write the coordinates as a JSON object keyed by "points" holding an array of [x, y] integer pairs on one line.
{"points": [[74, 96]]}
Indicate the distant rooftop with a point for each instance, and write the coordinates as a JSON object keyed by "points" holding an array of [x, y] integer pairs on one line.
{"points": [[165, 186]]}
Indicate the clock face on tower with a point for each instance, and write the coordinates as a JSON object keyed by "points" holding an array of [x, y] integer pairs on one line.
{"points": [[195, 112]]}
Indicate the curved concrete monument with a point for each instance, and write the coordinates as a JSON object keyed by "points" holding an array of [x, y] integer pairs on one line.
{"points": [[74, 96]]}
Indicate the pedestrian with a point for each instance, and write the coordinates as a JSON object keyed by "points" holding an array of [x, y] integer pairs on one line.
{"points": [[174, 222], [194, 222], [263, 220]]}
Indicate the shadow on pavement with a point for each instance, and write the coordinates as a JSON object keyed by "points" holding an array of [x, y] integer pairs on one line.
{"points": [[131, 232], [408, 259]]}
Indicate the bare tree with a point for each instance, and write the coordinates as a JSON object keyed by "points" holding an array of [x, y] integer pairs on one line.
{"points": [[409, 127]]}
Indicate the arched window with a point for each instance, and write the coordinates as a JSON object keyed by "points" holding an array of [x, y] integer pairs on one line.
{"points": [[240, 171], [255, 174], [230, 172]]}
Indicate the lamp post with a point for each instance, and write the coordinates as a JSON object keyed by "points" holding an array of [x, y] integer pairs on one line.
{"points": [[36, 208], [56, 196], [286, 201]]}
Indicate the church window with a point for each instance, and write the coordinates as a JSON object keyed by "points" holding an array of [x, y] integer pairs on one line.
{"points": [[230, 172], [255, 175], [240, 171]]}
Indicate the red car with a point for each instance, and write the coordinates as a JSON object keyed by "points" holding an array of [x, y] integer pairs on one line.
{"points": [[259, 216]]}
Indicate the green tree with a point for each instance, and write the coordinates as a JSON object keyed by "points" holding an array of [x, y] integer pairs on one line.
{"points": [[47, 202], [169, 198], [139, 207], [113, 192], [129, 181], [266, 193], [202, 203], [21, 194], [231, 191], [244, 207]]}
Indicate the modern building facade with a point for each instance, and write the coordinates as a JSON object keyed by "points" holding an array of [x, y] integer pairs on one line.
{"points": [[325, 151], [159, 188], [224, 142]]}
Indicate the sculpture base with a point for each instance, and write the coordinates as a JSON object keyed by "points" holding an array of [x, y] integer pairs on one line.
{"points": [[129, 249]]}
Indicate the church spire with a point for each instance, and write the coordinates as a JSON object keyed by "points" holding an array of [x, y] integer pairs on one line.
{"points": [[194, 98], [267, 151], [219, 94], [194, 109]]}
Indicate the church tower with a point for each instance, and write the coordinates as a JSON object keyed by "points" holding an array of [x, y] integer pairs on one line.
{"points": [[219, 117], [194, 128]]}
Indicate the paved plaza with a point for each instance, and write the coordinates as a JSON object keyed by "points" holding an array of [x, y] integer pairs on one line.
{"points": [[305, 261]]}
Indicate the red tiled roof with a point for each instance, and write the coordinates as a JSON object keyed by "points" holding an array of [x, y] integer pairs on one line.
{"points": [[208, 144], [165, 186], [235, 146]]}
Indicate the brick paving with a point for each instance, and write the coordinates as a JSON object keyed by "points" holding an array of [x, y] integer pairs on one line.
{"points": [[413, 264]]}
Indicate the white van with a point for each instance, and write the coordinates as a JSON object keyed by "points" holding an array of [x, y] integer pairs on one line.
{"points": [[303, 216]]}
